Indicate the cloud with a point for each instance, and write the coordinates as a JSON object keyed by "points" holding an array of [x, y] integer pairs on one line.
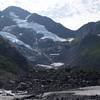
{"points": [[71, 13], [74, 13]]}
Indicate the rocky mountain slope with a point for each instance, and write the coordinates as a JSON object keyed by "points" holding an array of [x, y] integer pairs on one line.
{"points": [[39, 55], [45, 43], [36, 37]]}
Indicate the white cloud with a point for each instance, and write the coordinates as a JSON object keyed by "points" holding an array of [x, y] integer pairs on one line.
{"points": [[71, 13]]}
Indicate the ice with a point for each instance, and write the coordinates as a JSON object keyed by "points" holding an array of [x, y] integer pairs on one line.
{"points": [[98, 34], [20, 34], [56, 54], [8, 28], [58, 64], [40, 29], [13, 39], [28, 16], [70, 39], [53, 65], [13, 15]]}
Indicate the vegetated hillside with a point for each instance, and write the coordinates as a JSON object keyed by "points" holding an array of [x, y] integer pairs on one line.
{"points": [[12, 63], [12, 56], [40, 39], [89, 51]]}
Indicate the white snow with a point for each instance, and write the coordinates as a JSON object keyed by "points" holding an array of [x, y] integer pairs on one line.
{"points": [[8, 95], [70, 39], [13, 39], [6, 92], [98, 34], [45, 66], [20, 34], [53, 65], [28, 16], [55, 54], [57, 64], [2, 16], [13, 15], [40, 29], [8, 28]]}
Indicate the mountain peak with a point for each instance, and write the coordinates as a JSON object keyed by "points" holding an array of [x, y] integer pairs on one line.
{"points": [[17, 10]]}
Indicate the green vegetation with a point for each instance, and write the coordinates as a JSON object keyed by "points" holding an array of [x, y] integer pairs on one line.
{"points": [[12, 65], [8, 65], [10, 59], [90, 52]]}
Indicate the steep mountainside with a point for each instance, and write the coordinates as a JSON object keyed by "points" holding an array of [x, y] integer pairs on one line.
{"points": [[12, 64], [43, 42], [89, 28], [89, 51], [50, 25], [40, 39], [10, 59], [19, 12]]}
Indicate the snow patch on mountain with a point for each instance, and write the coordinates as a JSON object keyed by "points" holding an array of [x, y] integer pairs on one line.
{"points": [[58, 64], [20, 34], [53, 65], [13, 15], [70, 39], [98, 34], [13, 39], [44, 66], [28, 16], [55, 54], [2, 16], [8, 28], [40, 29]]}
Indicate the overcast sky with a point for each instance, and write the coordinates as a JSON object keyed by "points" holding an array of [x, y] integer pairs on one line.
{"points": [[71, 13]]}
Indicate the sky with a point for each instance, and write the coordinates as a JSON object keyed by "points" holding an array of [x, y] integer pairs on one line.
{"points": [[71, 13]]}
